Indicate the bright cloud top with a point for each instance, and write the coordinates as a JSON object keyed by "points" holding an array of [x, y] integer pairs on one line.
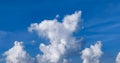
{"points": [[92, 54], [17, 54], [60, 36]]}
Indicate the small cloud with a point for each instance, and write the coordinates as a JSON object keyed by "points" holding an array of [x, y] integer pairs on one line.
{"points": [[17, 54], [92, 54]]}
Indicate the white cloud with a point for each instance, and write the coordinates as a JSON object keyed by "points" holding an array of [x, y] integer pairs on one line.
{"points": [[92, 54], [118, 58], [17, 54], [60, 36], [61, 43]]}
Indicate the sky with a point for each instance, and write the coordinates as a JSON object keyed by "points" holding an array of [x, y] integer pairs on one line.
{"points": [[95, 24]]}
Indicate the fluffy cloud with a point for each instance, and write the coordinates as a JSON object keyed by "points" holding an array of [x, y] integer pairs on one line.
{"points": [[60, 36], [118, 58], [17, 54], [92, 54], [61, 43]]}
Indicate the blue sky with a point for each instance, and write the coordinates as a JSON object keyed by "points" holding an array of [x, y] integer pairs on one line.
{"points": [[100, 22]]}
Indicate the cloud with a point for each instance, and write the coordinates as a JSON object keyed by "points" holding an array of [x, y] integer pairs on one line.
{"points": [[17, 54], [92, 54], [61, 43], [60, 38], [118, 58]]}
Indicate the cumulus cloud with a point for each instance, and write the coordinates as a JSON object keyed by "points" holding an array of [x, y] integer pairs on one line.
{"points": [[60, 37], [61, 43], [17, 54], [118, 58], [92, 54]]}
